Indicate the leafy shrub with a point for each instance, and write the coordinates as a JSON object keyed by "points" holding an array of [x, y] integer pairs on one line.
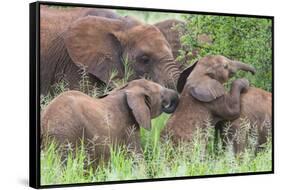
{"points": [[245, 39]]}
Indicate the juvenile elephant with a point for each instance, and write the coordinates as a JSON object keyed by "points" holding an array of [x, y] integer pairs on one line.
{"points": [[112, 120], [256, 110], [203, 97], [102, 45]]}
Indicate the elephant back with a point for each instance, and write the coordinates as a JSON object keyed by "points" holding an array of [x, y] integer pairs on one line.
{"points": [[256, 113], [189, 115], [55, 20]]}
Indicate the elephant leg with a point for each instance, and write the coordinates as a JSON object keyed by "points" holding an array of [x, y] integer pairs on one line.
{"points": [[78, 79], [98, 151], [219, 126], [262, 132], [239, 137], [232, 135], [45, 81], [228, 106]]}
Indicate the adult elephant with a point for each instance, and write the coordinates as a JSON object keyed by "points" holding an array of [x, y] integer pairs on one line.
{"points": [[54, 20], [170, 28], [100, 46]]}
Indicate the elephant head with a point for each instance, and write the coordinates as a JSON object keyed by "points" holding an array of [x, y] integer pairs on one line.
{"points": [[205, 77], [204, 98], [103, 45], [148, 100]]}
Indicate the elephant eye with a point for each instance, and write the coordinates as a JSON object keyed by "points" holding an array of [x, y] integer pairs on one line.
{"points": [[225, 66], [145, 59]]}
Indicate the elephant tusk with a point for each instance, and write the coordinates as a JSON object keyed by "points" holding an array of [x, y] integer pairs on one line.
{"points": [[167, 106]]}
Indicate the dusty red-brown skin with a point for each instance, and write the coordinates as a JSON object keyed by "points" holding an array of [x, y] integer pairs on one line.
{"points": [[256, 109], [113, 120], [170, 30], [203, 99], [55, 20], [101, 44]]}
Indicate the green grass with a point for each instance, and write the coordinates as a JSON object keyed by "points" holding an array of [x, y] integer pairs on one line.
{"points": [[160, 159]]}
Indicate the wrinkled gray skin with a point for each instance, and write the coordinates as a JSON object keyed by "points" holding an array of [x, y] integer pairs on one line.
{"points": [[112, 120], [203, 97], [101, 45]]}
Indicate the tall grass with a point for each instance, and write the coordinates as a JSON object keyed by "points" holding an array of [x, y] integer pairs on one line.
{"points": [[160, 159]]}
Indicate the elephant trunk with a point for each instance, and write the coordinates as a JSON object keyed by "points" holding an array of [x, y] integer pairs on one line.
{"points": [[171, 74], [170, 101], [242, 66]]}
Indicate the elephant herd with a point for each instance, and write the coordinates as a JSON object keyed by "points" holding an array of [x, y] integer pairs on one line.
{"points": [[98, 41]]}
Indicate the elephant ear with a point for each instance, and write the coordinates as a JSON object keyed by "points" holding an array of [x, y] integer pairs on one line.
{"points": [[183, 77], [138, 103], [206, 89], [170, 30], [95, 44]]}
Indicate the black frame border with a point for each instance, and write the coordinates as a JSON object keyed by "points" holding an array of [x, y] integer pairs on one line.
{"points": [[34, 94]]}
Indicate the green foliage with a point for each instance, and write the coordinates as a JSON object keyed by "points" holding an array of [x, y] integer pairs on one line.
{"points": [[245, 39]]}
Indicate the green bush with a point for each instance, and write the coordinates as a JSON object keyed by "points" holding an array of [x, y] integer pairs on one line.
{"points": [[245, 39]]}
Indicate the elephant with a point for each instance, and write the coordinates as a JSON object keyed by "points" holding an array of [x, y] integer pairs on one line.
{"points": [[54, 20], [203, 98], [173, 29], [114, 119], [253, 127], [99, 46]]}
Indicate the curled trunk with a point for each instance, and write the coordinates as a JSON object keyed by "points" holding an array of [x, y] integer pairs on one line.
{"points": [[245, 67]]}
